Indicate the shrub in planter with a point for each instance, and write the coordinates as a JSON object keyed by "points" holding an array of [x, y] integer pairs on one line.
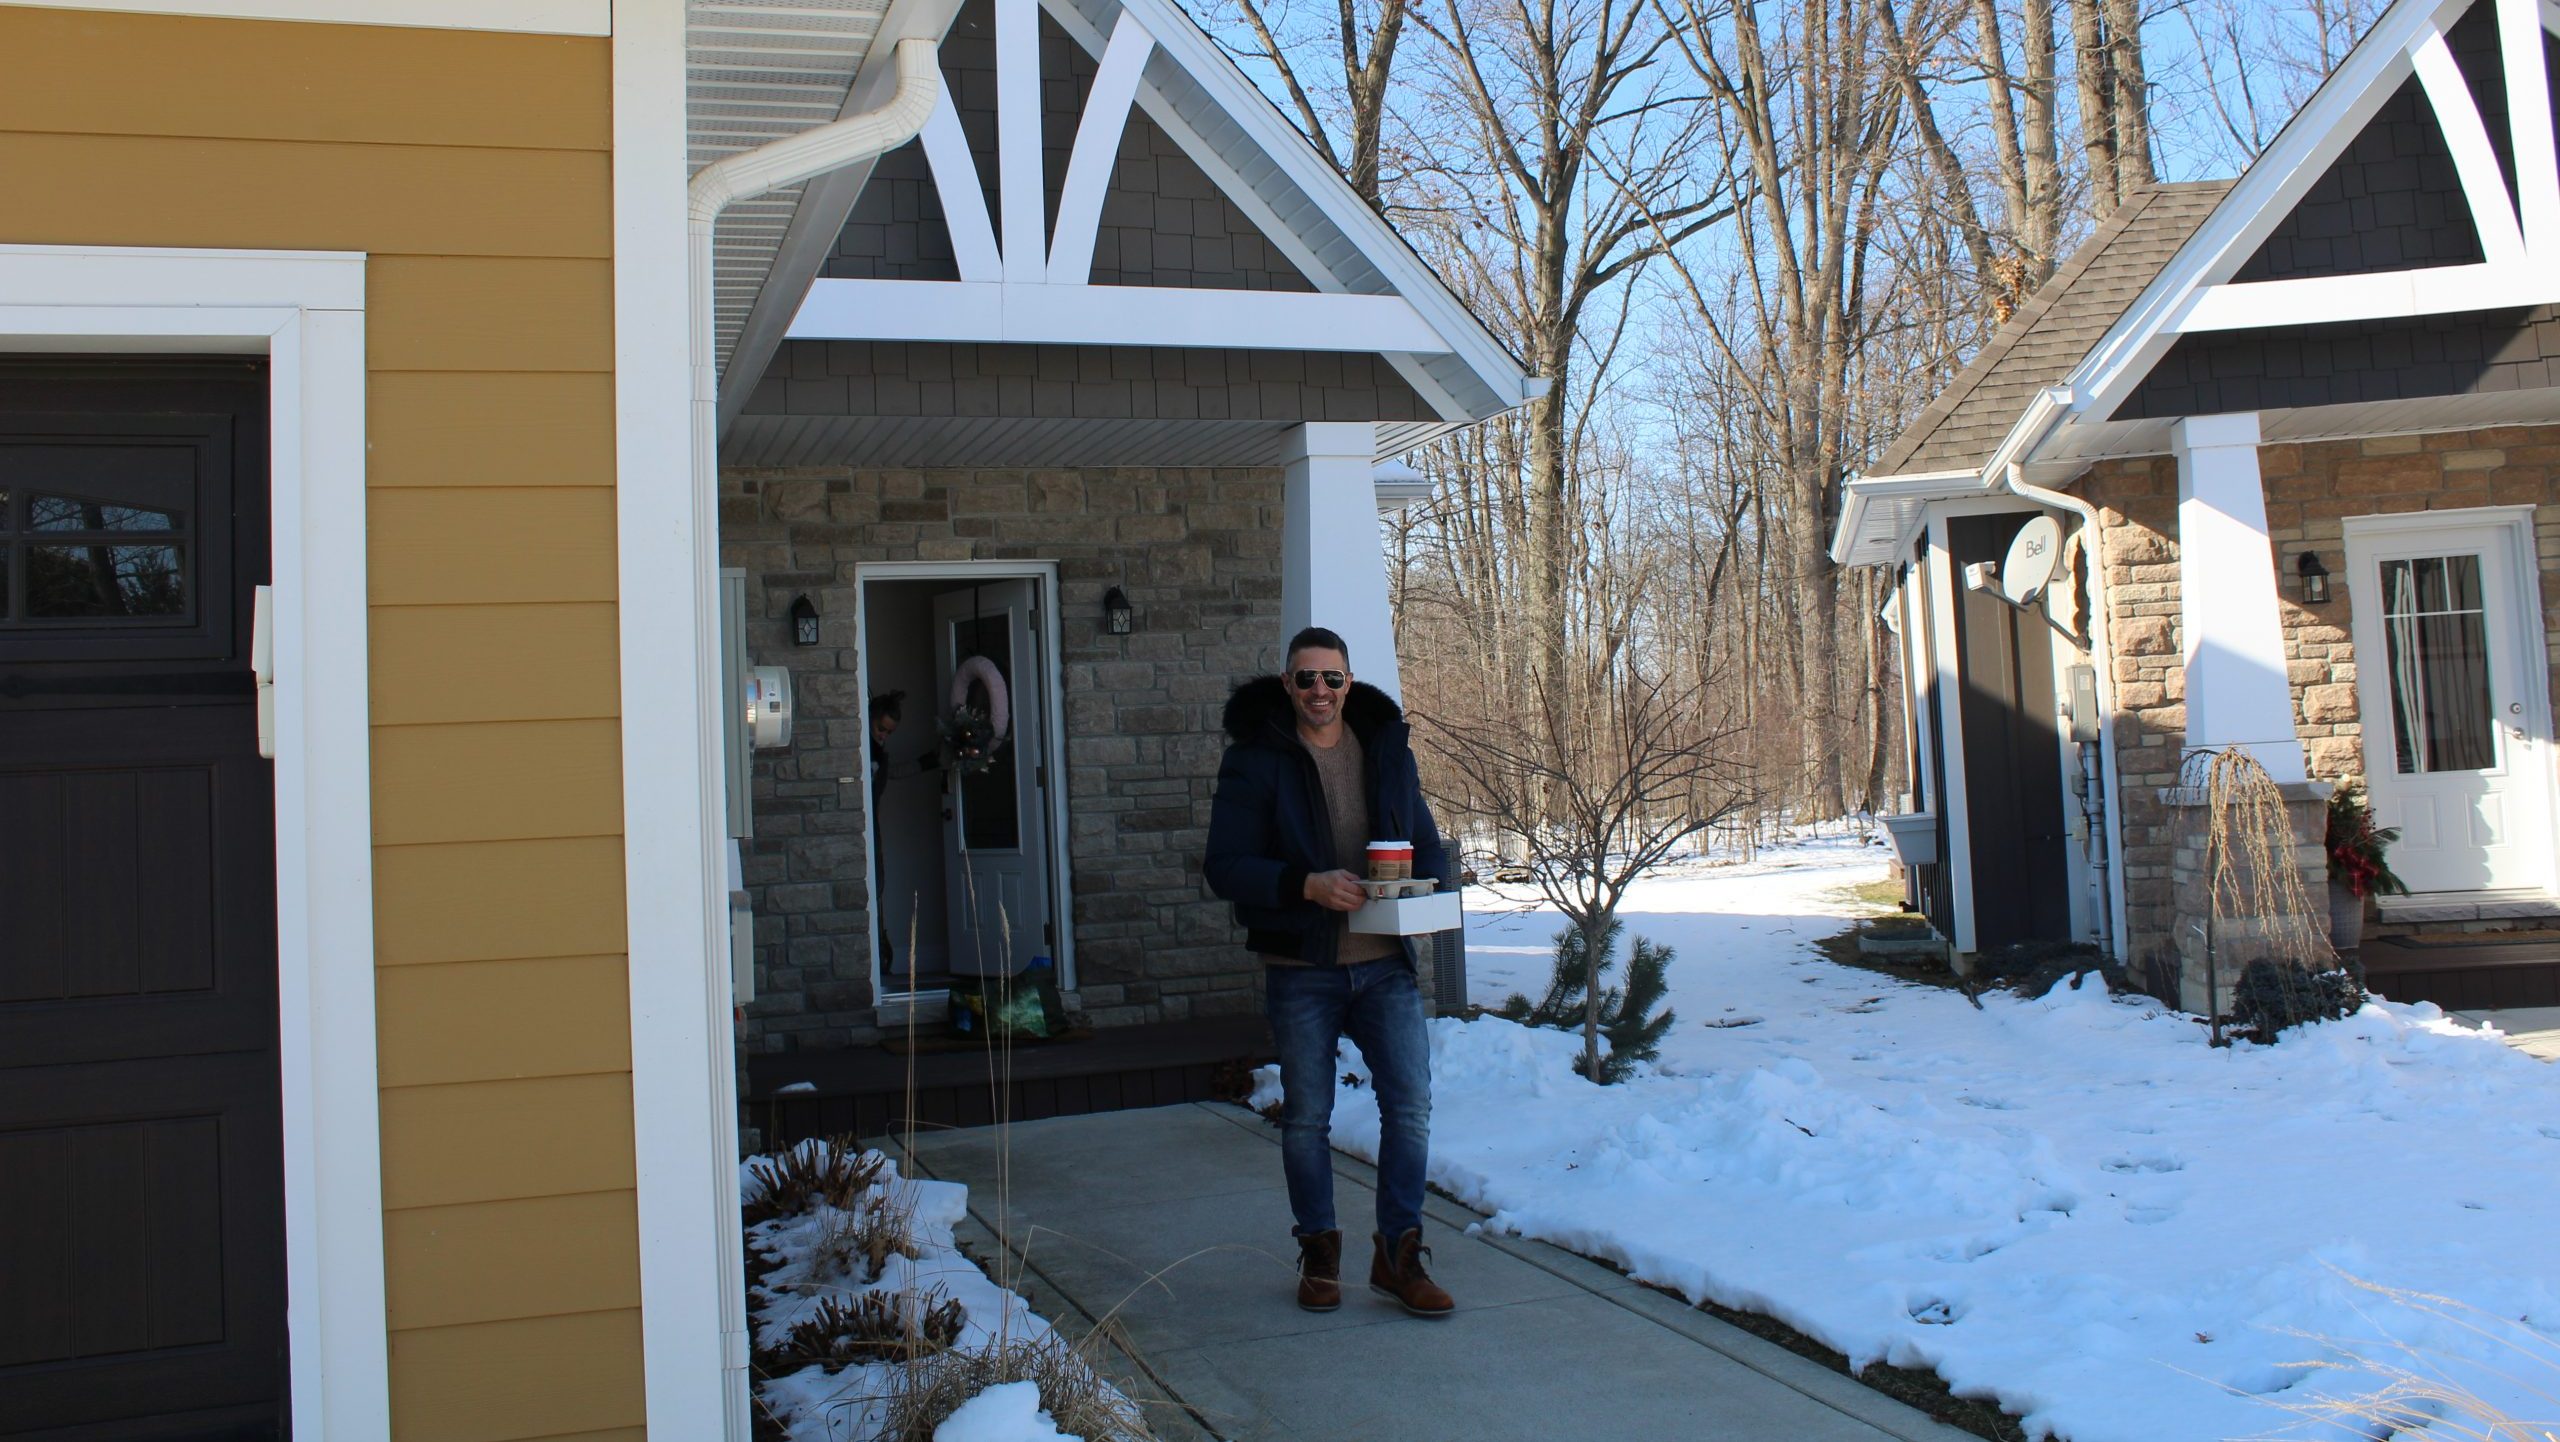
{"points": [[2357, 846]]}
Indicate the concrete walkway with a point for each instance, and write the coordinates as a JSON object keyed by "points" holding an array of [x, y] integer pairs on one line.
{"points": [[1173, 1223], [2533, 1030]]}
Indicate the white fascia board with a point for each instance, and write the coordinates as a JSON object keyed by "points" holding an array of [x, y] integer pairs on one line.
{"points": [[1182, 41], [1866, 503], [2265, 193], [527, 17], [2390, 295], [1006, 314]]}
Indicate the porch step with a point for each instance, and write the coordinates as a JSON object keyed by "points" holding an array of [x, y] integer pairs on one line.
{"points": [[864, 1091], [2441, 906], [2468, 974]]}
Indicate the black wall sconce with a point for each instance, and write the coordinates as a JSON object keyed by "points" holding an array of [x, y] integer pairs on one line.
{"points": [[1117, 614], [804, 622], [2314, 578]]}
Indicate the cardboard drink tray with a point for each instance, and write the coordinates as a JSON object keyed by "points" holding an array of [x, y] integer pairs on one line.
{"points": [[1390, 914]]}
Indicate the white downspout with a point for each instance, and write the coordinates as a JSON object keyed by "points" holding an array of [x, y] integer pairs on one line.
{"points": [[788, 161], [2044, 413]]}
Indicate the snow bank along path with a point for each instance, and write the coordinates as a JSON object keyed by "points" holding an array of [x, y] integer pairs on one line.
{"points": [[814, 1404], [2071, 1204]]}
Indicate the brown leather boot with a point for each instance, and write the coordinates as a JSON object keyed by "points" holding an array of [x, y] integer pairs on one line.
{"points": [[1320, 1271], [1396, 1271]]}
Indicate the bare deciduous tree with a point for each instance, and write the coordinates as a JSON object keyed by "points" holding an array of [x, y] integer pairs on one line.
{"points": [[1601, 789]]}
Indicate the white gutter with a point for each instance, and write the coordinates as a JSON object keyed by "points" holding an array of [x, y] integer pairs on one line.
{"points": [[788, 161], [2007, 470]]}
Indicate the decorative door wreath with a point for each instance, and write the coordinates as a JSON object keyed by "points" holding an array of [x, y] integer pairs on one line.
{"points": [[981, 714]]}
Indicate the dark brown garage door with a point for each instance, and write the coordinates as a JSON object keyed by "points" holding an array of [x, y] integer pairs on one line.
{"points": [[141, 1175]]}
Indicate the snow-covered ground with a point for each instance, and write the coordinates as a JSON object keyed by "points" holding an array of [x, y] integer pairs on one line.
{"points": [[816, 1403], [2071, 1204]]}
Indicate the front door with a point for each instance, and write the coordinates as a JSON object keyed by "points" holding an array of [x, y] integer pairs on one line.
{"points": [[141, 1169], [995, 812], [2452, 729]]}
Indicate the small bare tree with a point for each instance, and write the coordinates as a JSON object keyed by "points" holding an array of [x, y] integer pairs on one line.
{"points": [[1600, 789]]}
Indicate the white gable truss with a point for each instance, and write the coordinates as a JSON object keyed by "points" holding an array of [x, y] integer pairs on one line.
{"points": [[1374, 294], [2519, 234]]}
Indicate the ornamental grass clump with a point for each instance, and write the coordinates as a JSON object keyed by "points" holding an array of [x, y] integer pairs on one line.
{"points": [[859, 1239], [871, 1327], [833, 1171], [926, 1391]]}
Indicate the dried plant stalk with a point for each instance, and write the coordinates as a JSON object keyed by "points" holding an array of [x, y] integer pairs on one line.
{"points": [[835, 1171], [872, 1327]]}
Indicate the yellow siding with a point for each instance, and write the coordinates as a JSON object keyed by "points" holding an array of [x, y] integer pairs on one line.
{"points": [[495, 663], [465, 545], [540, 1377], [471, 1021], [480, 428], [539, 1257], [501, 1140], [474, 171], [496, 901]]}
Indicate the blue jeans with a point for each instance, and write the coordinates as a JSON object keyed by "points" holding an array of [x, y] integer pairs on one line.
{"points": [[1377, 1005]]}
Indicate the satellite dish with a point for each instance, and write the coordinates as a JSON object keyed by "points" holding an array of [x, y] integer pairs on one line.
{"points": [[2032, 558]]}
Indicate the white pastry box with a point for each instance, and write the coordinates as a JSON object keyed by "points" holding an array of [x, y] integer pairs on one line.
{"points": [[1392, 915]]}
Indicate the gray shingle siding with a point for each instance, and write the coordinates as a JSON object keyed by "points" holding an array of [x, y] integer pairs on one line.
{"points": [[888, 378], [2321, 365], [1164, 222]]}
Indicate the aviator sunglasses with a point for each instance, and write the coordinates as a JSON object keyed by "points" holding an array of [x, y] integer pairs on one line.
{"points": [[1333, 680]]}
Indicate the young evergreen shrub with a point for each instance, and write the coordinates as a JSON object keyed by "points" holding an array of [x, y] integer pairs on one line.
{"points": [[1629, 1023], [2275, 995]]}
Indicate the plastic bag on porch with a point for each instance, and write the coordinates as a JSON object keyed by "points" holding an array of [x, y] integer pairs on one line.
{"points": [[1025, 1004]]}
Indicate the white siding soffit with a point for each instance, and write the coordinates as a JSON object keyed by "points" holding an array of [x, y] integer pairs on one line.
{"points": [[756, 71]]}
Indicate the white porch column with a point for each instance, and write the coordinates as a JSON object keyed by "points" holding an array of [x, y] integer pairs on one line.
{"points": [[2237, 694], [1333, 571]]}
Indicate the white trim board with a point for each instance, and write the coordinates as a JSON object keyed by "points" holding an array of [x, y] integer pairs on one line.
{"points": [[675, 825], [1037, 313], [530, 17], [305, 312]]}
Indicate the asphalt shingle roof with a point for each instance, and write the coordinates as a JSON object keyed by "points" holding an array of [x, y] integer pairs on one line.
{"points": [[2040, 343]]}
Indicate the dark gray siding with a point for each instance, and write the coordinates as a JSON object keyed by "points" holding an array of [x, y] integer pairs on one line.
{"points": [[2323, 365], [920, 378], [2393, 200]]}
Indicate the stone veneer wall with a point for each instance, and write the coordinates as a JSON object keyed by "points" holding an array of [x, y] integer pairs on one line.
{"points": [[2310, 488], [1197, 551]]}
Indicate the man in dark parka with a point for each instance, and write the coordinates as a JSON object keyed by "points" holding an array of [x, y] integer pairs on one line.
{"points": [[1317, 766]]}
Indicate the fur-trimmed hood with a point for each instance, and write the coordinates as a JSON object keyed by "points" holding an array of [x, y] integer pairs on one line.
{"points": [[1260, 711]]}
